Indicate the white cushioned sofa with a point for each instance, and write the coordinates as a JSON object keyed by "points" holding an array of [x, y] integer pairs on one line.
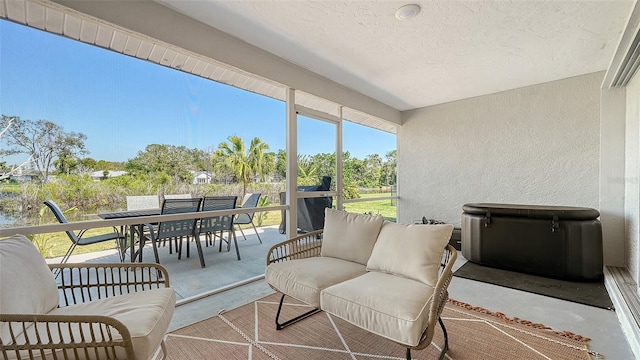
{"points": [[90, 311], [390, 279]]}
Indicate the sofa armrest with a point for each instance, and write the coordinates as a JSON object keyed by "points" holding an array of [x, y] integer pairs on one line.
{"points": [[82, 282], [299, 247], [440, 295], [92, 335]]}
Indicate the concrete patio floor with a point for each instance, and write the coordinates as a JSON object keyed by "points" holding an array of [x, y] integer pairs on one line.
{"points": [[230, 283]]}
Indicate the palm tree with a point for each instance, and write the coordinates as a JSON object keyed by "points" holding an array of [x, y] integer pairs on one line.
{"points": [[307, 171], [244, 163]]}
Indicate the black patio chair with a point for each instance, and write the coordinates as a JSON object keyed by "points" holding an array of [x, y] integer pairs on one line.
{"points": [[216, 226], [249, 201], [80, 239], [176, 229]]}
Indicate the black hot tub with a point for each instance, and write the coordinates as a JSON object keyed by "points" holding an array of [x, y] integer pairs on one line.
{"points": [[554, 241]]}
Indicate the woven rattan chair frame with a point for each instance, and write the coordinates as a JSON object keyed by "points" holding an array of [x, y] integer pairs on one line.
{"points": [[95, 336], [310, 244]]}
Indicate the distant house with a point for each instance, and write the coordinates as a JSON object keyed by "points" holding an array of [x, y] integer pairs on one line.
{"points": [[201, 177], [273, 178], [103, 174], [21, 178]]}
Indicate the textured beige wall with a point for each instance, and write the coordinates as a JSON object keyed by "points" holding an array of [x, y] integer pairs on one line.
{"points": [[632, 179], [534, 145]]}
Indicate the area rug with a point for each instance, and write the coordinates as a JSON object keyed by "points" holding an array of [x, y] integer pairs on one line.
{"points": [[248, 332], [587, 293]]}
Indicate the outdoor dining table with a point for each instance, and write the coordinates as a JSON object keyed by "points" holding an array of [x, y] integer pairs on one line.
{"points": [[133, 228]]}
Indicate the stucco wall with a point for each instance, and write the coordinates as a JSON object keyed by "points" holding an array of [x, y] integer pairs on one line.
{"points": [[534, 145], [632, 178]]}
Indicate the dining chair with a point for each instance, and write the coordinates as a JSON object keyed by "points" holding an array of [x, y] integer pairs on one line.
{"points": [[80, 239], [250, 201], [177, 196], [142, 202], [216, 226], [176, 229]]}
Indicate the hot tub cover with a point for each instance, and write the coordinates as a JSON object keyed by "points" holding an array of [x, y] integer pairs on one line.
{"points": [[532, 211]]}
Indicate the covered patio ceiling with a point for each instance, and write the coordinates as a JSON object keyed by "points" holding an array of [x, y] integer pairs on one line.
{"points": [[451, 50]]}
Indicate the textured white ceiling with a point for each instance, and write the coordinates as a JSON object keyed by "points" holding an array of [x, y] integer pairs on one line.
{"points": [[451, 50]]}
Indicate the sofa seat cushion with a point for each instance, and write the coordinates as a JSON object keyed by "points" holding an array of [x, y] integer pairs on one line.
{"points": [[393, 307], [145, 313], [303, 279]]}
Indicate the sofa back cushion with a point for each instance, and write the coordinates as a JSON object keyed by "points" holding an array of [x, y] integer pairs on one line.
{"points": [[411, 251], [26, 283], [349, 236]]}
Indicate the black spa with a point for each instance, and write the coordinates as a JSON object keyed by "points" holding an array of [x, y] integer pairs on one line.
{"points": [[556, 241]]}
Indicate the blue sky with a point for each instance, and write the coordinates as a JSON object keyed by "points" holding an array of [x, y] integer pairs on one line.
{"points": [[123, 104]]}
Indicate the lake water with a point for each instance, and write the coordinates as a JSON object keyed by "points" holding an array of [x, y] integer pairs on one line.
{"points": [[6, 221]]}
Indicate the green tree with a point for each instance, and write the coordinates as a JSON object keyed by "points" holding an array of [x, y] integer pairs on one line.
{"points": [[373, 170], [65, 163], [242, 162], [388, 173], [281, 163], [307, 170], [44, 141], [170, 160]]}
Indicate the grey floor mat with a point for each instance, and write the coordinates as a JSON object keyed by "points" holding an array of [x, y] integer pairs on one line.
{"points": [[588, 293]]}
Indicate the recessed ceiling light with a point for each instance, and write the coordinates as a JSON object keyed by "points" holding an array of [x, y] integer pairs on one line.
{"points": [[407, 12]]}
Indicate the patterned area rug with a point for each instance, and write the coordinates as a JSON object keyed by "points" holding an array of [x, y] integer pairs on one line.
{"points": [[248, 332]]}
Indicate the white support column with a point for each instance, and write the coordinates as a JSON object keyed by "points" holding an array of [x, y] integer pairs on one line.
{"points": [[612, 175], [291, 186], [339, 183]]}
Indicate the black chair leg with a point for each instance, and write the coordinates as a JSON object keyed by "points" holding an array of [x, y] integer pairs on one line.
{"points": [[66, 256], [235, 241], [242, 232], [199, 246], [445, 347], [280, 326], [256, 231], [155, 250]]}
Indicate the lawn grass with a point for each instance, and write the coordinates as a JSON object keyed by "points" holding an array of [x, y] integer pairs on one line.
{"points": [[386, 208], [10, 188]]}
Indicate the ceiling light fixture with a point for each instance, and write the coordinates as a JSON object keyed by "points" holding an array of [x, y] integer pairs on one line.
{"points": [[407, 12]]}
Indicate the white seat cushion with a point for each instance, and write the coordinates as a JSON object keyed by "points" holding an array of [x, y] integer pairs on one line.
{"points": [[393, 307], [146, 314], [303, 279], [349, 236]]}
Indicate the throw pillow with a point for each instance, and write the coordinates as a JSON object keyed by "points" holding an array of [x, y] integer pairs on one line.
{"points": [[349, 236], [412, 251]]}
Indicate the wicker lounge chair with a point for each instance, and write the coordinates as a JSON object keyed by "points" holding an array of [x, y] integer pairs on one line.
{"points": [[93, 311], [390, 279]]}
